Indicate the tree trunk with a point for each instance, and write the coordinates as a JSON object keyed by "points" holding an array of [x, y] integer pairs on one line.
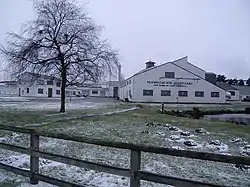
{"points": [[63, 86]]}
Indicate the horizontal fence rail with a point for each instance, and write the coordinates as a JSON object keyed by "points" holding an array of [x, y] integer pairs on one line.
{"points": [[134, 172]]}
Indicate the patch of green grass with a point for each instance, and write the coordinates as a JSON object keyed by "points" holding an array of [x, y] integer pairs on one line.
{"points": [[138, 118], [6, 185], [146, 115], [22, 118]]}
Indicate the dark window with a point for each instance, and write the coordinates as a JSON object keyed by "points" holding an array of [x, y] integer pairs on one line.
{"points": [[130, 81], [182, 93], [40, 91], [232, 93], [58, 84], [169, 75], [40, 82], [148, 92], [215, 94], [50, 82], [94, 92], [28, 90], [58, 92], [199, 94], [74, 92], [165, 93]]}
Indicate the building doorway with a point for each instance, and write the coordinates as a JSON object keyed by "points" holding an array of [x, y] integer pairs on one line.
{"points": [[49, 92], [19, 92], [115, 93], [102, 93]]}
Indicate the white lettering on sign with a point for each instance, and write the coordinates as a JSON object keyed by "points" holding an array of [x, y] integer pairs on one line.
{"points": [[170, 83]]}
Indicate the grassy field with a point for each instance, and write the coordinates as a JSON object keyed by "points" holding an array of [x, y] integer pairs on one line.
{"points": [[127, 126]]}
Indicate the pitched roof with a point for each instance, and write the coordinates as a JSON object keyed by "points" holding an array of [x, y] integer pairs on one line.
{"points": [[145, 70], [153, 67], [244, 90], [8, 82], [36, 75], [225, 86]]}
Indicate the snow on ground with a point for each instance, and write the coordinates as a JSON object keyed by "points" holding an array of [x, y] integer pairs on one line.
{"points": [[65, 172], [156, 134], [13, 99], [167, 165], [34, 104], [120, 111]]}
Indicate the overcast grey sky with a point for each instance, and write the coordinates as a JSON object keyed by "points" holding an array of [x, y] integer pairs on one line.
{"points": [[214, 34]]}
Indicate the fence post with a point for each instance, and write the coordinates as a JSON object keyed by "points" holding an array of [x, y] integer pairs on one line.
{"points": [[34, 161], [135, 165]]}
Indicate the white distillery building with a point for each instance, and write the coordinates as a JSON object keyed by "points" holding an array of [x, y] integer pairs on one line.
{"points": [[8, 88], [172, 82], [50, 86], [41, 86]]}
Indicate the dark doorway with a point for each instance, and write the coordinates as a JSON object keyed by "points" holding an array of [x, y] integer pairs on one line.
{"points": [[49, 92], [102, 93], [115, 94]]}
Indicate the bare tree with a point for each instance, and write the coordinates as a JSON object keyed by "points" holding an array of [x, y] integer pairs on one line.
{"points": [[64, 41]]}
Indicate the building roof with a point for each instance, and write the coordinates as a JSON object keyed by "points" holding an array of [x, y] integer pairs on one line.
{"points": [[113, 83], [225, 86], [36, 75], [148, 69], [145, 70], [244, 90], [8, 82]]}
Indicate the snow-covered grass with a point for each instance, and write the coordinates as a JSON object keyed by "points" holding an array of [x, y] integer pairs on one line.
{"points": [[125, 124], [13, 99]]}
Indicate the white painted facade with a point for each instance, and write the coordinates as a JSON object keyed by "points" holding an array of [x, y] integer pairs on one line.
{"points": [[187, 78], [49, 86], [234, 95], [43, 86], [8, 89]]}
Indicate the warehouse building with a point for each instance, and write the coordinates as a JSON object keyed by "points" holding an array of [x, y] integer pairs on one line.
{"points": [[244, 92], [232, 93], [172, 82], [8, 88], [37, 85]]}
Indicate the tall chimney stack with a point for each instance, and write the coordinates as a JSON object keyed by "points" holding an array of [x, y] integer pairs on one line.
{"points": [[119, 73]]}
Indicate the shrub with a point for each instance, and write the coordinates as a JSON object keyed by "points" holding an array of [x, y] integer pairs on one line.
{"points": [[247, 110], [139, 106], [197, 113]]}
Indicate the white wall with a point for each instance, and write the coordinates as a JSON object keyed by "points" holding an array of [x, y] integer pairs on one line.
{"points": [[124, 91], [183, 62], [140, 84], [236, 97], [33, 90], [8, 90]]}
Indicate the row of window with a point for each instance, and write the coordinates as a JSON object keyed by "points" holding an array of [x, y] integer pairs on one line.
{"points": [[128, 82], [58, 92], [49, 82], [180, 93], [40, 91]]}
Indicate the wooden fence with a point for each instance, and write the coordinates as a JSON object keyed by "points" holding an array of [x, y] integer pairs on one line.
{"points": [[134, 173]]}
